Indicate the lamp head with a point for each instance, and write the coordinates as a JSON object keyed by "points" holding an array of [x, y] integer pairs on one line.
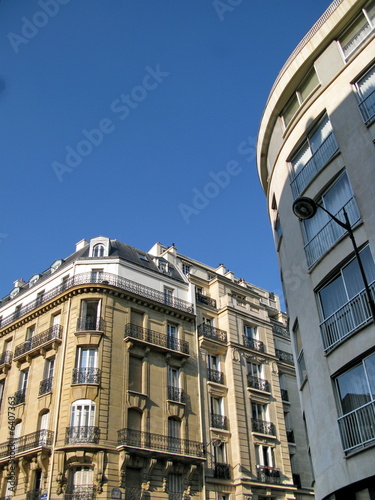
{"points": [[304, 208]]}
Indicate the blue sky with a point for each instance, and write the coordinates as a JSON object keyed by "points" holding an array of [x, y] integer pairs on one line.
{"points": [[137, 120]]}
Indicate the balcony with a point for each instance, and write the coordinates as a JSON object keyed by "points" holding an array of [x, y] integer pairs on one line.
{"points": [[41, 438], [258, 383], [219, 421], [105, 279], [81, 493], [290, 436], [280, 330], [263, 427], [6, 359], [268, 474], [176, 394], [346, 320], [317, 161], [19, 397], [207, 301], [255, 345], [42, 340], [156, 338], [147, 442], [45, 386], [330, 233], [212, 332], [367, 108], [86, 376], [285, 357], [90, 324], [222, 471], [215, 376], [357, 428], [82, 434], [132, 493]]}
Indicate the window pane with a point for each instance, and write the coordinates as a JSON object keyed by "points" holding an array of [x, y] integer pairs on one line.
{"points": [[353, 389], [290, 110], [308, 85], [352, 274], [333, 296], [321, 134]]}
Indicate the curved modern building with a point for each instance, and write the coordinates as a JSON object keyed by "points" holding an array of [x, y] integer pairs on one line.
{"points": [[316, 140]]}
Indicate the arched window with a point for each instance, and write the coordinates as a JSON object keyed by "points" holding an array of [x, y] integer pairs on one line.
{"points": [[81, 481], [82, 420], [98, 250]]}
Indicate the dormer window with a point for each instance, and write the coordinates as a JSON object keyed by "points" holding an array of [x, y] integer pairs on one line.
{"points": [[56, 265], [34, 278], [98, 250], [15, 292]]}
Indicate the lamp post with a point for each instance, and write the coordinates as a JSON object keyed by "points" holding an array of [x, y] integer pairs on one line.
{"points": [[305, 208]]}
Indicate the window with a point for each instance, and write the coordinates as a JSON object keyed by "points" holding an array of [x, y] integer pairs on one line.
{"points": [[39, 299], [143, 257], [251, 332], [90, 315], [96, 275], [258, 411], [208, 321], [30, 332], [214, 373], [135, 374], [98, 250], [81, 482], [134, 427], [365, 90], [278, 230], [315, 152], [356, 395], [264, 456], [82, 421], [186, 268], [309, 83], [220, 453], [218, 420], [172, 336], [20, 395], [343, 302], [56, 265], [43, 428], [321, 232], [86, 370], [302, 373], [359, 31], [174, 435], [46, 383], [254, 369], [168, 296], [175, 486], [2, 387]]}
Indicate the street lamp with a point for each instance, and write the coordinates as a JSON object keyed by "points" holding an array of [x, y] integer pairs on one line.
{"points": [[305, 208]]}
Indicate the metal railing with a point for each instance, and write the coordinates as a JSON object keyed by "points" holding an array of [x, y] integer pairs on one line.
{"points": [[258, 383], [268, 474], [176, 394], [43, 437], [318, 160], [132, 493], [86, 376], [45, 386], [20, 396], [203, 299], [215, 376], [34, 495], [367, 108], [284, 356], [105, 279], [263, 427], [82, 434], [89, 323], [159, 442], [156, 338], [6, 358], [255, 345], [81, 493], [222, 471], [351, 316], [212, 333], [174, 495], [219, 421], [280, 330], [49, 335], [357, 428], [321, 242]]}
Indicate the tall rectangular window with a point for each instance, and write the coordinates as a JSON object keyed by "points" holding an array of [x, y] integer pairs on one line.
{"points": [[365, 89], [90, 315], [135, 374]]}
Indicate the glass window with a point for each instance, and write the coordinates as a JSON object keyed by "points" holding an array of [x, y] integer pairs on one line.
{"points": [[98, 250], [359, 31], [365, 88], [308, 84]]}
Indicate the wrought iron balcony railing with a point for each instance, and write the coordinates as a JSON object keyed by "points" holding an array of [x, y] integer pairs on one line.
{"points": [[132, 493], [87, 323], [86, 376], [203, 299], [290, 436], [215, 376], [219, 421], [258, 383], [284, 356], [45, 386], [105, 279], [176, 394], [81, 493], [212, 332], [43, 437], [263, 427], [173, 495], [280, 330], [255, 345], [268, 474], [40, 340], [156, 338], [317, 161], [158, 442], [6, 358], [19, 397], [357, 428], [82, 434], [346, 320], [34, 495], [222, 471], [284, 395]]}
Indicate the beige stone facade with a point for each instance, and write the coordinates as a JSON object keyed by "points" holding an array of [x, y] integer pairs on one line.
{"points": [[316, 140], [127, 374]]}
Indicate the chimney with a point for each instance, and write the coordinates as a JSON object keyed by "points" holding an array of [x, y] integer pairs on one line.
{"points": [[81, 244]]}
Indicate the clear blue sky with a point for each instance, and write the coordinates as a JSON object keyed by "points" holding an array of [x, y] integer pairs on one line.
{"points": [[175, 90]]}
